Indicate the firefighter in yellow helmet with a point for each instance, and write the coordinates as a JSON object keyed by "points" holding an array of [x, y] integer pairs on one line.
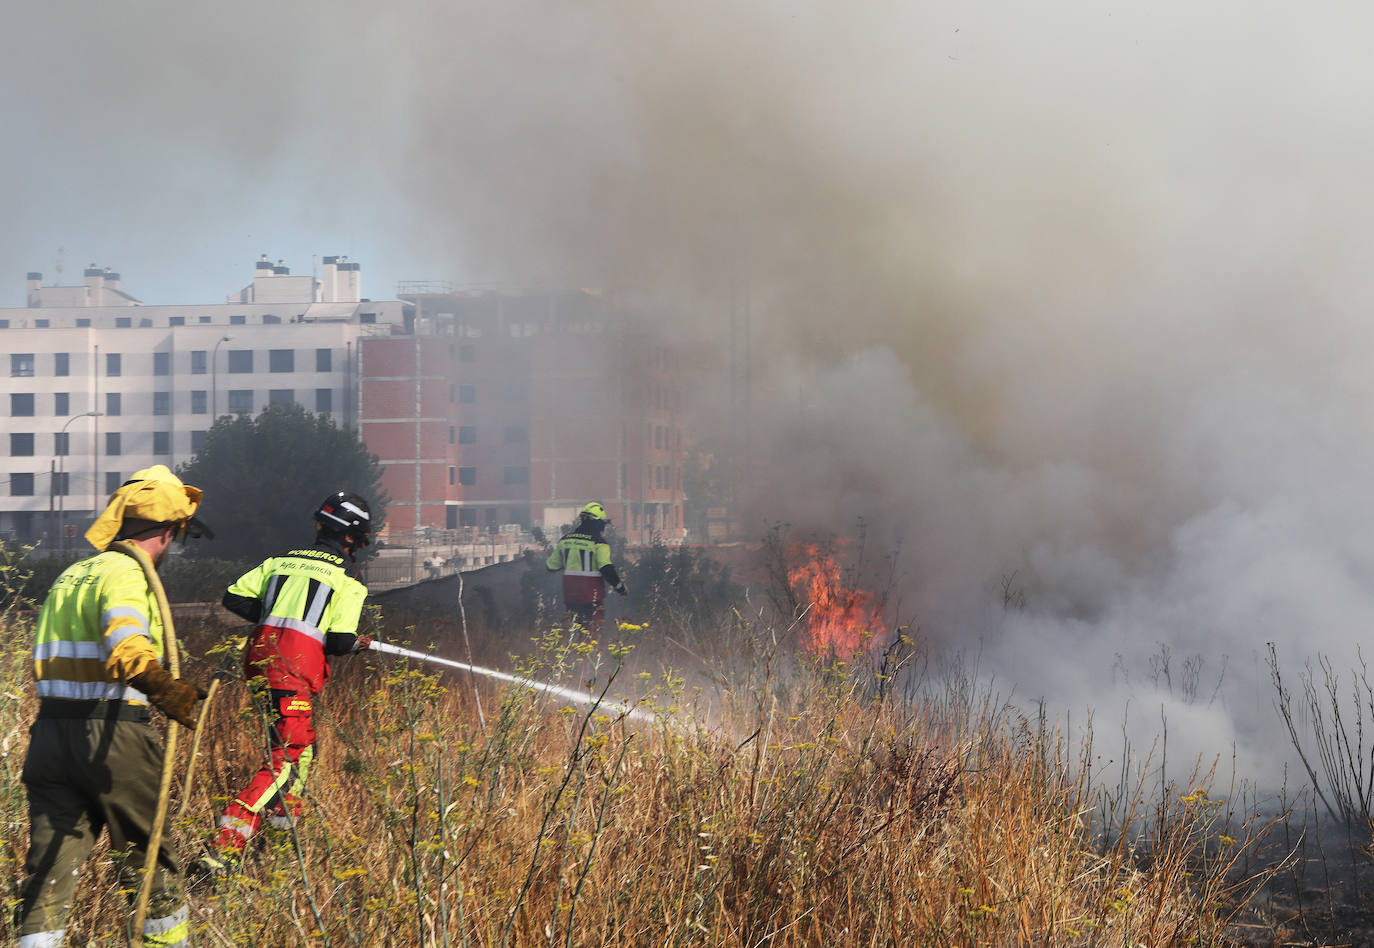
{"points": [[94, 760], [585, 559]]}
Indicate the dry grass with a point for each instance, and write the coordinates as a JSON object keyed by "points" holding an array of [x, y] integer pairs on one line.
{"points": [[819, 811]]}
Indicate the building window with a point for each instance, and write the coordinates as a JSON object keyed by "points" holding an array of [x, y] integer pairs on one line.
{"points": [[21, 364], [450, 391], [162, 363], [162, 403], [467, 353], [112, 403], [61, 364], [324, 360], [467, 434], [281, 360], [240, 361], [113, 447], [21, 445], [61, 483], [83, 322], [467, 476], [176, 321], [281, 396], [112, 364], [516, 475], [113, 481], [198, 402], [240, 400], [238, 320], [467, 394], [197, 440], [452, 477], [207, 319], [450, 434], [21, 485], [367, 317], [61, 402], [162, 442], [270, 320], [324, 400], [124, 322], [450, 517], [61, 444], [467, 517], [516, 434], [42, 323], [21, 405], [4, 324], [198, 361]]}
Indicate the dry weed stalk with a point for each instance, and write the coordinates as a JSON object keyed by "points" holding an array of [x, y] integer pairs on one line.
{"points": [[818, 810]]}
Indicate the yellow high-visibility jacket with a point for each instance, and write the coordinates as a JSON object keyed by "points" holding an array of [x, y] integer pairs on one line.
{"points": [[586, 564], [305, 606], [99, 627]]}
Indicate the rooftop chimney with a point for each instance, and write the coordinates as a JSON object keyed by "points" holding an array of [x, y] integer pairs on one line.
{"points": [[329, 274], [349, 282], [94, 278]]}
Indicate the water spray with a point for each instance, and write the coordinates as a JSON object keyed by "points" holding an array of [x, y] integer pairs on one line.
{"points": [[578, 697]]}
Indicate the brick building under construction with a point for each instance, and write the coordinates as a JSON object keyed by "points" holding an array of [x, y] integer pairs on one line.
{"points": [[516, 408]]}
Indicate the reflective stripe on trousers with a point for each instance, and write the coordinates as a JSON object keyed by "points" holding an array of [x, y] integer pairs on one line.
{"points": [[44, 939], [170, 931]]}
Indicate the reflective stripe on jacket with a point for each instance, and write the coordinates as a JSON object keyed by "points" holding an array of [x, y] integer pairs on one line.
{"points": [[310, 607], [581, 558], [99, 627]]}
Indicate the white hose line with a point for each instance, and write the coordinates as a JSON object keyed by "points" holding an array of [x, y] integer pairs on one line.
{"points": [[579, 697]]}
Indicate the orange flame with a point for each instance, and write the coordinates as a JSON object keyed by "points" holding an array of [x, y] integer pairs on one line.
{"points": [[841, 619]]}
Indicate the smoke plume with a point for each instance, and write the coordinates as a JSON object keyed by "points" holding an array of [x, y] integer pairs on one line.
{"points": [[1069, 299]]}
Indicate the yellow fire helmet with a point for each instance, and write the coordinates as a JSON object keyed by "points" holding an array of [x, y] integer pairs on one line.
{"points": [[155, 494], [594, 511]]}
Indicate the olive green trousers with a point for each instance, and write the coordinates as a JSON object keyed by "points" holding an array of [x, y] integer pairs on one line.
{"points": [[83, 775]]}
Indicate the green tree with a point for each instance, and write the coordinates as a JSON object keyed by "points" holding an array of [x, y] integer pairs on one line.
{"points": [[263, 478]]}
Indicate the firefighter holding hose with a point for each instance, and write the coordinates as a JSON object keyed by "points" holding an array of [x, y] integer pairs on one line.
{"points": [[305, 605], [585, 559], [94, 760]]}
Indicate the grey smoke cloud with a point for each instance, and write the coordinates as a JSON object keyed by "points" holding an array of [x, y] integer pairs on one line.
{"points": [[1071, 292]]}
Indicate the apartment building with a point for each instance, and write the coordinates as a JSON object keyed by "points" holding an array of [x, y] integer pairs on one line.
{"points": [[516, 408], [95, 385]]}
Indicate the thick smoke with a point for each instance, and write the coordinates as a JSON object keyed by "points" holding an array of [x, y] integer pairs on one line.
{"points": [[1068, 298]]}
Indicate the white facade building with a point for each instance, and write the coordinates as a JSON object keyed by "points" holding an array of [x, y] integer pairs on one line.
{"points": [[95, 386]]}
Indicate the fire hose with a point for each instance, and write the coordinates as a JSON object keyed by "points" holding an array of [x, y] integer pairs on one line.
{"points": [[571, 694]]}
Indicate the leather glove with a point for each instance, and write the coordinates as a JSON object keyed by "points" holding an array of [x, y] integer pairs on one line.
{"points": [[623, 589], [173, 696], [363, 644]]}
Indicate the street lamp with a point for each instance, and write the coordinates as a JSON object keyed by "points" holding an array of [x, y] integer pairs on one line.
{"points": [[62, 478], [214, 371]]}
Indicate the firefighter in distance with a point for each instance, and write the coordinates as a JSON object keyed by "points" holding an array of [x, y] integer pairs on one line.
{"points": [[585, 559]]}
